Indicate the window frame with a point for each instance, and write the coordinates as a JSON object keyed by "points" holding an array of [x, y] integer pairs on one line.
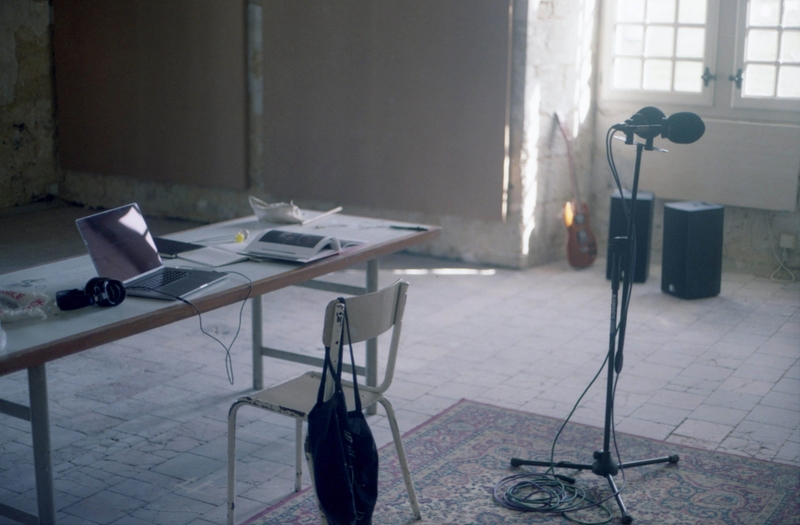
{"points": [[737, 100], [608, 92]]}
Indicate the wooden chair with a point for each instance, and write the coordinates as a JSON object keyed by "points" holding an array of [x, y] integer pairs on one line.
{"points": [[369, 316]]}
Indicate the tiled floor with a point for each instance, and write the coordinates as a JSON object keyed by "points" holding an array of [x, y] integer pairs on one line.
{"points": [[139, 430]]}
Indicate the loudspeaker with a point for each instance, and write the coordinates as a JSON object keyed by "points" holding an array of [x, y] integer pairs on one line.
{"points": [[643, 230], [691, 265]]}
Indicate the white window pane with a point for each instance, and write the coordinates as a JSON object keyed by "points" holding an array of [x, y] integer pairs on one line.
{"points": [[657, 75], [691, 42], [790, 46], [629, 40], [660, 11], [759, 80], [789, 82], [688, 76], [791, 13], [627, 73], [630, 11], [762, 45], [692, 12], [764, 12], [659, 41]]}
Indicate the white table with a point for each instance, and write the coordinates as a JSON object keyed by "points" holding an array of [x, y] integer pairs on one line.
{"points": [[31, 344]]}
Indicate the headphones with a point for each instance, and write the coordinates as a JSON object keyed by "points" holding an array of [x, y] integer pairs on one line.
{"points": [[99, 290]]}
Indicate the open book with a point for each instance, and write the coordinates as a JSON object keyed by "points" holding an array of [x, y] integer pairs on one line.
{"points": [[295, 246]]}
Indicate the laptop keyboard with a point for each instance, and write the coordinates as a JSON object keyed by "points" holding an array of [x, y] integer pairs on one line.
{"points": [[162, 278]]}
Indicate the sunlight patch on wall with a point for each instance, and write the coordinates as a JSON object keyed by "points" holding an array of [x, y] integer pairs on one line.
{"points": [[529, 161], [584, 64], [443, 271]]}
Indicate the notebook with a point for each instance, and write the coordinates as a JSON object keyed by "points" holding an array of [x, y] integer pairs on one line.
{"points": [[121, 247]]}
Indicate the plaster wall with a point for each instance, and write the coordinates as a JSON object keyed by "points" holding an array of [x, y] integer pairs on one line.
{"points": [[548, 74]]}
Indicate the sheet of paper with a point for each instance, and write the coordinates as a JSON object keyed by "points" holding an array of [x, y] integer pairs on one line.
{"points": [[212, 256]]}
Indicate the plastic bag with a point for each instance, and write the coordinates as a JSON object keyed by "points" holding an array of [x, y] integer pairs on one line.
{"points": [[17, 303], [277, 212]]}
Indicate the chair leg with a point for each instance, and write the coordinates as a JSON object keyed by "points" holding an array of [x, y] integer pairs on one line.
{"points": [[232, 461], [298, 455], [401, 455]]}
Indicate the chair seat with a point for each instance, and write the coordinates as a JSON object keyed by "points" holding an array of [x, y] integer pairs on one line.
{"points": [[296, 398]]}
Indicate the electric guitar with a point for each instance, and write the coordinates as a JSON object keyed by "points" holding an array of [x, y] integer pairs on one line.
{"points": [[581, 243]]}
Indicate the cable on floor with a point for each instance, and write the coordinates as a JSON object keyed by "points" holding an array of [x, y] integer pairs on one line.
{"points": [[553, 493]]}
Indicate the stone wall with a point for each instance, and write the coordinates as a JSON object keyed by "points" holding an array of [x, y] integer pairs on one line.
{"points": [[27, 156]]}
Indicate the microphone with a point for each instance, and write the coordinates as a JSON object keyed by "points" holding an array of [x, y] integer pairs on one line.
{"points": [[649, 122], [645, 123], [684, 128]]}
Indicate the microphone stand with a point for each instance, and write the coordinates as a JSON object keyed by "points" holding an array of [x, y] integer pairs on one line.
{"points": [[620, 249]]}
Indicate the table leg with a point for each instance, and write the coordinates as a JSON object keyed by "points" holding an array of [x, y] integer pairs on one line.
{"points": [[258, 358], [372, 344], [40, 430]]}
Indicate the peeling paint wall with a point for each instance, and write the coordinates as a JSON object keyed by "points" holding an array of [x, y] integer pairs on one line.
{"points": [[27, 159], [749, 236]]}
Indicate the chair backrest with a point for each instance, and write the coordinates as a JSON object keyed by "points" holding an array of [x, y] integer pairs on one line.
{"points": [[369, 316]]}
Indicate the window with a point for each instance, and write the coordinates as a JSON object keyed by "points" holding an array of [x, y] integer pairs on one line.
{"points": [[769, 47], [703, 52], [659, 46]]}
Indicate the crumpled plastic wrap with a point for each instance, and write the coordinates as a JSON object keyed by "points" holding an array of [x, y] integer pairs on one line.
{"points": [[279, 212], [23, 301]]}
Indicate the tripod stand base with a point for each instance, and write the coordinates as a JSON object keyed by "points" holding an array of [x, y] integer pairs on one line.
{"points": [[602, 466]]}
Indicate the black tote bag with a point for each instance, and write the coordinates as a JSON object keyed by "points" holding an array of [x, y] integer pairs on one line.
{"points": [[342, 450]]}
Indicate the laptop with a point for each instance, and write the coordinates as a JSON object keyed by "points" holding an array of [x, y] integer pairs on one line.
{"points": [[121, 247]]}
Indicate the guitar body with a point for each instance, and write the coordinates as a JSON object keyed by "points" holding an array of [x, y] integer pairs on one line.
{"points": [[581, 243]]}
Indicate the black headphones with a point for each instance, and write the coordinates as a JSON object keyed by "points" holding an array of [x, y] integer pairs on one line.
{"points": [[99, 290]]}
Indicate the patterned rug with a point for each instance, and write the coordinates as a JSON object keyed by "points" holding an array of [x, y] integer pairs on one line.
{"points": [[458, 457]]}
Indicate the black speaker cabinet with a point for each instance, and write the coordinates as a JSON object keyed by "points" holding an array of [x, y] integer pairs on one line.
{"points": [[691, 266], [643, 230]]}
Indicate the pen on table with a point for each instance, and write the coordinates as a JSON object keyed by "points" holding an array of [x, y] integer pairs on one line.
{"points": [[321, 216], [412, 228]]}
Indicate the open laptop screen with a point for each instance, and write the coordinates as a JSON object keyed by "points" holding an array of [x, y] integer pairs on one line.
{"points": [[119, 243]]}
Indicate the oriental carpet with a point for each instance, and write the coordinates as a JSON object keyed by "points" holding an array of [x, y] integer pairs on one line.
{"points": [[457, 458]]}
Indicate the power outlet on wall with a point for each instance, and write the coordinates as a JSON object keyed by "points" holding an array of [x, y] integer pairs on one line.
{"points": [[788, 241]]}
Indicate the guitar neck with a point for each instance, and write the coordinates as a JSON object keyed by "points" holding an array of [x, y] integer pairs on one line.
{"points": [[573, 175]]}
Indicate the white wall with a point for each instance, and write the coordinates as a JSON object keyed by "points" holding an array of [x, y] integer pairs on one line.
{"points": [[694, 173]]}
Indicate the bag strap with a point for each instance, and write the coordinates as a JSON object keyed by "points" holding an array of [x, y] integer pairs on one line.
{"points": [[328, 366], [337, 375], [346, 326]]}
